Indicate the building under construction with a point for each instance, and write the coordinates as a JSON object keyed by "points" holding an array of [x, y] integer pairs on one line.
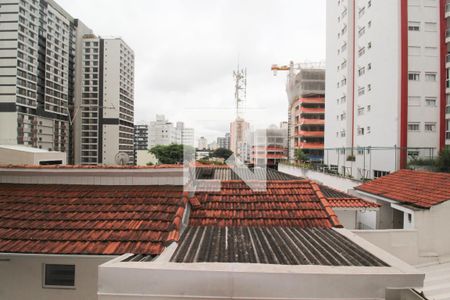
{"points": [[306, 96]]}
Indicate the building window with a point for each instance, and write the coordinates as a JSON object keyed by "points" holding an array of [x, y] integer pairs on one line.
{"points": [[59, 276], [430, 76], [361, 71], [414, 127], [414, 76], [430, 101], [378, 174], [414, 26], [430, 26], [361, 91], [430, 127]]}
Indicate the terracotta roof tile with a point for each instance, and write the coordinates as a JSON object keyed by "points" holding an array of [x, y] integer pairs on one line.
{"points": [[338, 199], [109, 167], [416, 188], [62, 219], [295, 203]]}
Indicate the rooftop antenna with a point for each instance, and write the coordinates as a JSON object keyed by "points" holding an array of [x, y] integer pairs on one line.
{"points": [[240, 93]]}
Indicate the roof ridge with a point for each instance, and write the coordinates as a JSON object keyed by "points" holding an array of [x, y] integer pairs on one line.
{"points": [[174, 234], [326, 205]]}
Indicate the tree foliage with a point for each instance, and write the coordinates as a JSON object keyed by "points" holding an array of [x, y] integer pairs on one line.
{"points": [[443, 161], [222, 153], [300, 155], [170, 154]]}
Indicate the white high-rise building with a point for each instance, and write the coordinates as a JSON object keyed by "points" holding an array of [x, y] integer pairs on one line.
{"points": [[163, 132], [385, 83], [37, 48], [202, 143], [185, 136], [105, 110]]}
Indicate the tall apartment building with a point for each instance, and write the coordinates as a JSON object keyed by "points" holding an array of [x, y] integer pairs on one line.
{"points": [[202, 143], [224, 142], [268, 146], [306, 92], [385, 83], [239, 131], [163, 132], [444, 52], [37, 46], [105, 110], [185, 136], [140, 137]]}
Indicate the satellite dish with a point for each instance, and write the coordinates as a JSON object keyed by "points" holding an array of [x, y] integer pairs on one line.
{"points": [[122, 158]]}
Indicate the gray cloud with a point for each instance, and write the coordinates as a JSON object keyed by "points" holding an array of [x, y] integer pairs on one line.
{"points": [[186, 51]]}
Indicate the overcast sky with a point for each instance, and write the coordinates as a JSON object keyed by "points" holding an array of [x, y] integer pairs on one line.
{"points": [[186, 51]]}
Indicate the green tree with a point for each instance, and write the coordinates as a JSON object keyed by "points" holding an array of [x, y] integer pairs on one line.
{"points": [[222, 153], [171, 154], [300, 155], [443, 161]]}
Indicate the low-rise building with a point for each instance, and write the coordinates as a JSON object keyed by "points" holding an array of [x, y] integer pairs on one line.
{"points": [[54, 236], [414, 200], [290, 249], [154, 240], [22, 155]]}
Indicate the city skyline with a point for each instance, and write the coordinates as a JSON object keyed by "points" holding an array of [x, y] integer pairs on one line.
{"points": [[197, 77]]}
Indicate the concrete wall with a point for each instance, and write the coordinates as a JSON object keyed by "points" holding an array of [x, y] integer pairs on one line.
{"points": [[21, 277], [433, 227], [171, 176], [348, 218], [17, 157], [161, 279], [143, 157], [403, 244], [336, 182]]}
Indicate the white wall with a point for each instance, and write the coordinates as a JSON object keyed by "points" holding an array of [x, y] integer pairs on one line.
{"points": [[348, 218], [171, 176], [21, 277], [403, 244], [336, 182], [433, 226], [17, 157]]}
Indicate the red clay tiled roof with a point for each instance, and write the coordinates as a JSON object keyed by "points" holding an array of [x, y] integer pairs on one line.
{"points": [[92, 220], [416, 188], [338, 199], [89, 167], [295, 203]]}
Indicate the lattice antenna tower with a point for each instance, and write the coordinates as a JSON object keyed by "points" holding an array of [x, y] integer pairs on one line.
{"points": [[240, 94]]}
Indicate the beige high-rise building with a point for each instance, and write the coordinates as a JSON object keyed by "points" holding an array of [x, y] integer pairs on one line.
{"points": [[239, 130], [105, 110]]}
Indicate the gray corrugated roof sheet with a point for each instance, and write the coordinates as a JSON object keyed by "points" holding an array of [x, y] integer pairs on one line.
{"points": [[226, 174], [271, 245]]}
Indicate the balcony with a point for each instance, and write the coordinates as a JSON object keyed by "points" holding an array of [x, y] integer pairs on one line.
{"points": [[319, 134], [306, 110], [312, 146], [311, 122]]}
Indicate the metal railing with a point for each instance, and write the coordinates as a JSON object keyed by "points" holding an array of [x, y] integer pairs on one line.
{"points": [[363, 163]]}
